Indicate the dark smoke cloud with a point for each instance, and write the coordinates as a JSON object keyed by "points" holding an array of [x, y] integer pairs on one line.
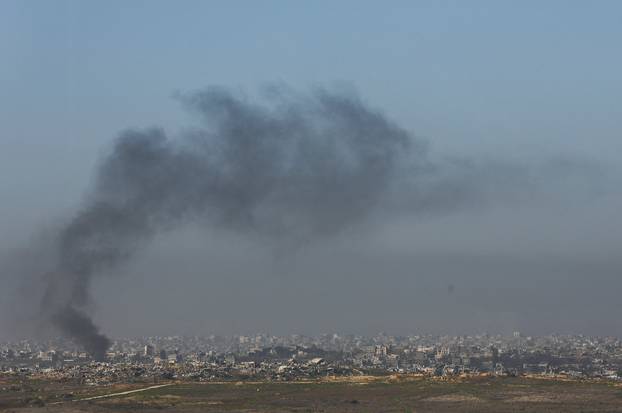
{"points": [[283, 171], [80, 327], [291, 169]]}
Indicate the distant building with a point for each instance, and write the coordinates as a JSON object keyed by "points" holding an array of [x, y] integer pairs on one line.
{"points": [[230, 359], [149, 351], [381, 351]]}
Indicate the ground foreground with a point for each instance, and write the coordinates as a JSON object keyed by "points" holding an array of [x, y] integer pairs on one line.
{"points": [[363, 394]]}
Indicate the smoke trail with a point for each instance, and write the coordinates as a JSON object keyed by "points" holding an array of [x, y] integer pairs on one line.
{"points": [[295, 168]]}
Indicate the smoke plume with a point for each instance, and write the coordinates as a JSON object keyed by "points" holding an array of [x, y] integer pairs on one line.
{"points": [[292, 168]]}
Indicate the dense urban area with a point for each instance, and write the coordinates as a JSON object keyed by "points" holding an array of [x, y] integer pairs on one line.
{"points": [[297, 357]]}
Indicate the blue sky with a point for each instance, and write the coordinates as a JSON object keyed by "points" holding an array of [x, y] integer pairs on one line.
{"points": [[495, 78], [501, 80], [519, 73]]}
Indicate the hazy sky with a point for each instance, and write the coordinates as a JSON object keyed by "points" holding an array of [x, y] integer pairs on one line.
{"points": [[528, 83]]}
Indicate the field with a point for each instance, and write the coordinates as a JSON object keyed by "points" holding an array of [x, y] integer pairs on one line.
{"points": [[386, 394]]}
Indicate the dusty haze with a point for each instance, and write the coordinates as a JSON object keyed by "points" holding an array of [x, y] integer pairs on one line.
{"points": [[285, 178], [457, 170]]}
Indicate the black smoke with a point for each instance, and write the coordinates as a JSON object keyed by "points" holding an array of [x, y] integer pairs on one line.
{"points": [[80, 327], [292, 168]]}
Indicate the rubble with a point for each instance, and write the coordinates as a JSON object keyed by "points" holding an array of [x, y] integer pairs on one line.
{"points": [[263, 357]]}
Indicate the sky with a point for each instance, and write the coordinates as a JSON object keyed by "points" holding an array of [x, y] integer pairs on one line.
{"points": [[528, 83]]}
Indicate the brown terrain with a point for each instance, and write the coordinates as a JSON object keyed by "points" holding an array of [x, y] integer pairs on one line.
{"points": [[361, 394]]}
